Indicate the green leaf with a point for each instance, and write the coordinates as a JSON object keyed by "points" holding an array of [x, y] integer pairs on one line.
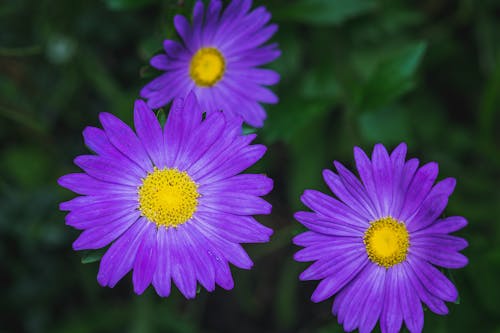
{"points": [[289, 118], [91, 256], [393, 77], [323, 12], [162, 117], [28, 166], [286, 302], [387, 125], [127, 4]]}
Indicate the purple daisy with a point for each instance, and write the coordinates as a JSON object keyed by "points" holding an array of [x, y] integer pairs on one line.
{"points": [[218, 60], [376, 245], [171, 202]]}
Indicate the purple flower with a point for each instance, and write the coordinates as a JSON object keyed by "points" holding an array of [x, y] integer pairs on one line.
{"points": [[376, 245], [171, 202], [218, 59]]}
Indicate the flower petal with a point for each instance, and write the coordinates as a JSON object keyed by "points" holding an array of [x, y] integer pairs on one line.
{"points": [[150, 133], [101, 235], [146, 260], [125, 140], [162, 274], [119, 258]]}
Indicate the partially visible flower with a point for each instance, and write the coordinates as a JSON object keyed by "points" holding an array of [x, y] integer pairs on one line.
{"points": [[218, 59], [376, 244], [171, 202]]}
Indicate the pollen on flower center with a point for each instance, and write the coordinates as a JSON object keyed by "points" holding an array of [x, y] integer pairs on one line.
{"points": [[207, 67], [387, 242], [168, 197]]}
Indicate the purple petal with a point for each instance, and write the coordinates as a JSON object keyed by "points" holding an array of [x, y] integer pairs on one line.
{"points": [[438, 242], [97, 215], [185, 31], [198, 14], [350, 300], [185, 115], [218, 152], [392, 316], [374, 301], [433, 280], [174, 84], [232, 163], [435, 304], [177, 51], [101, 235], [162, 274], [336, 185], [150, 133], [418, 189], [182, 269], [310, 238], [254, 184], [123, 138], [444, 226], [401, 186], [382, 176], [99, 209], [110, 170], [357, 190], [445, 257], [322, 250], [120, 257], [397, 157], [145, 261], [183, 123], [97, 141], [208, 134], [355, 255], [364, 167], [235, 203], [82, 183], [200, 258], [84, 202], [328, 225], [256, 75], [410, 303], [332, 208], [221, 268], [235, 228], [369, 282], [429, 211], [332, 284], [256, 57], [248, 90], [211, 20], [233, 252]]}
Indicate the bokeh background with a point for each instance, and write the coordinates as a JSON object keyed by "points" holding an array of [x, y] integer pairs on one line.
{"points": [[354, 72]]}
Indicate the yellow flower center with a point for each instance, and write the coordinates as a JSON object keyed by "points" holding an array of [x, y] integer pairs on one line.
{"points": [[168, 197], [207, 67], [387, 242]]}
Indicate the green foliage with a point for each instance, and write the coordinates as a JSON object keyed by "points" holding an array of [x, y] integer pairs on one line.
{"points": [[392, 77], [353, 72], [91, 256], [323, 12]]}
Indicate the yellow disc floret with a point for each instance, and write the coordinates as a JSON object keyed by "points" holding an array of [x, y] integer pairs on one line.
{"points": [[387, 242], [207, 67], [168, 197]]}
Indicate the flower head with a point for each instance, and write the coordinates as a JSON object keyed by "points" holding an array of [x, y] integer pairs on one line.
{"points": [[171, 202], [218, 59], [376, 245]]}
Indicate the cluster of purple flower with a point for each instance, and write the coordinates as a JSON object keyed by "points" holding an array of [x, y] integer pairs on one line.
{"points": [[173, 204]]}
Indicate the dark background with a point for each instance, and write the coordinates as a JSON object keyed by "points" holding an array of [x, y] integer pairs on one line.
{"points": [[354, 72]]}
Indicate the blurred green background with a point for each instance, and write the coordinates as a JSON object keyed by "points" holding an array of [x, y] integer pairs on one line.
{"points": [[354, 72]]}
